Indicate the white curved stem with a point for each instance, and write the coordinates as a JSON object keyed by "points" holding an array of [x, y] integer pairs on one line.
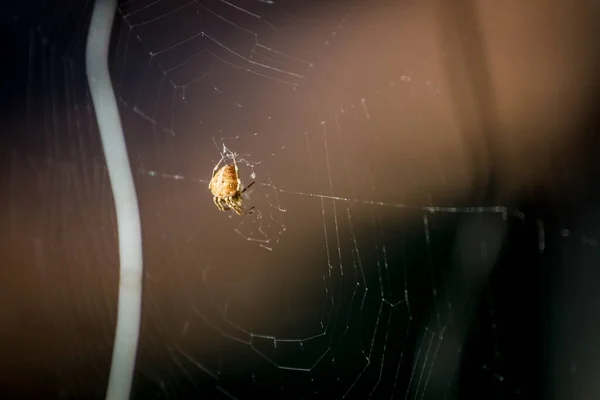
{"points": [[128, 216]]}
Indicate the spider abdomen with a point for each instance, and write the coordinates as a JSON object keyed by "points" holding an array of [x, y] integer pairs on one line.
{"points": [[227, 190], [225, 182]]}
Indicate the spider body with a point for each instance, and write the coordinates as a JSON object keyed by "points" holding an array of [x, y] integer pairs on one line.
{"points": [[227, 190]]}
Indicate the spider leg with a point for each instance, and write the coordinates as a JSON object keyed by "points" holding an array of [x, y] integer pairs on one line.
{"points": [[216, 168], [218, 202], [247, 187], [238, 211], [231, 202], [236, 204]]}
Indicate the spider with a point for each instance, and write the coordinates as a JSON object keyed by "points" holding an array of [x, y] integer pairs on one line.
{"points": [[226, 188]]}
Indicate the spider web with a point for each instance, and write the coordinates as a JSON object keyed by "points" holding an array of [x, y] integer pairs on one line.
{"points": [[268, 225], [350, 301]]}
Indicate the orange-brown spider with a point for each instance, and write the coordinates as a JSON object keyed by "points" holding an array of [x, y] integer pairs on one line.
{"points": [[227, 190]]}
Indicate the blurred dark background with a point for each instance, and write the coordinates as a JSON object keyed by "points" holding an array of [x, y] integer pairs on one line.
{"points": [[427, 218]]}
